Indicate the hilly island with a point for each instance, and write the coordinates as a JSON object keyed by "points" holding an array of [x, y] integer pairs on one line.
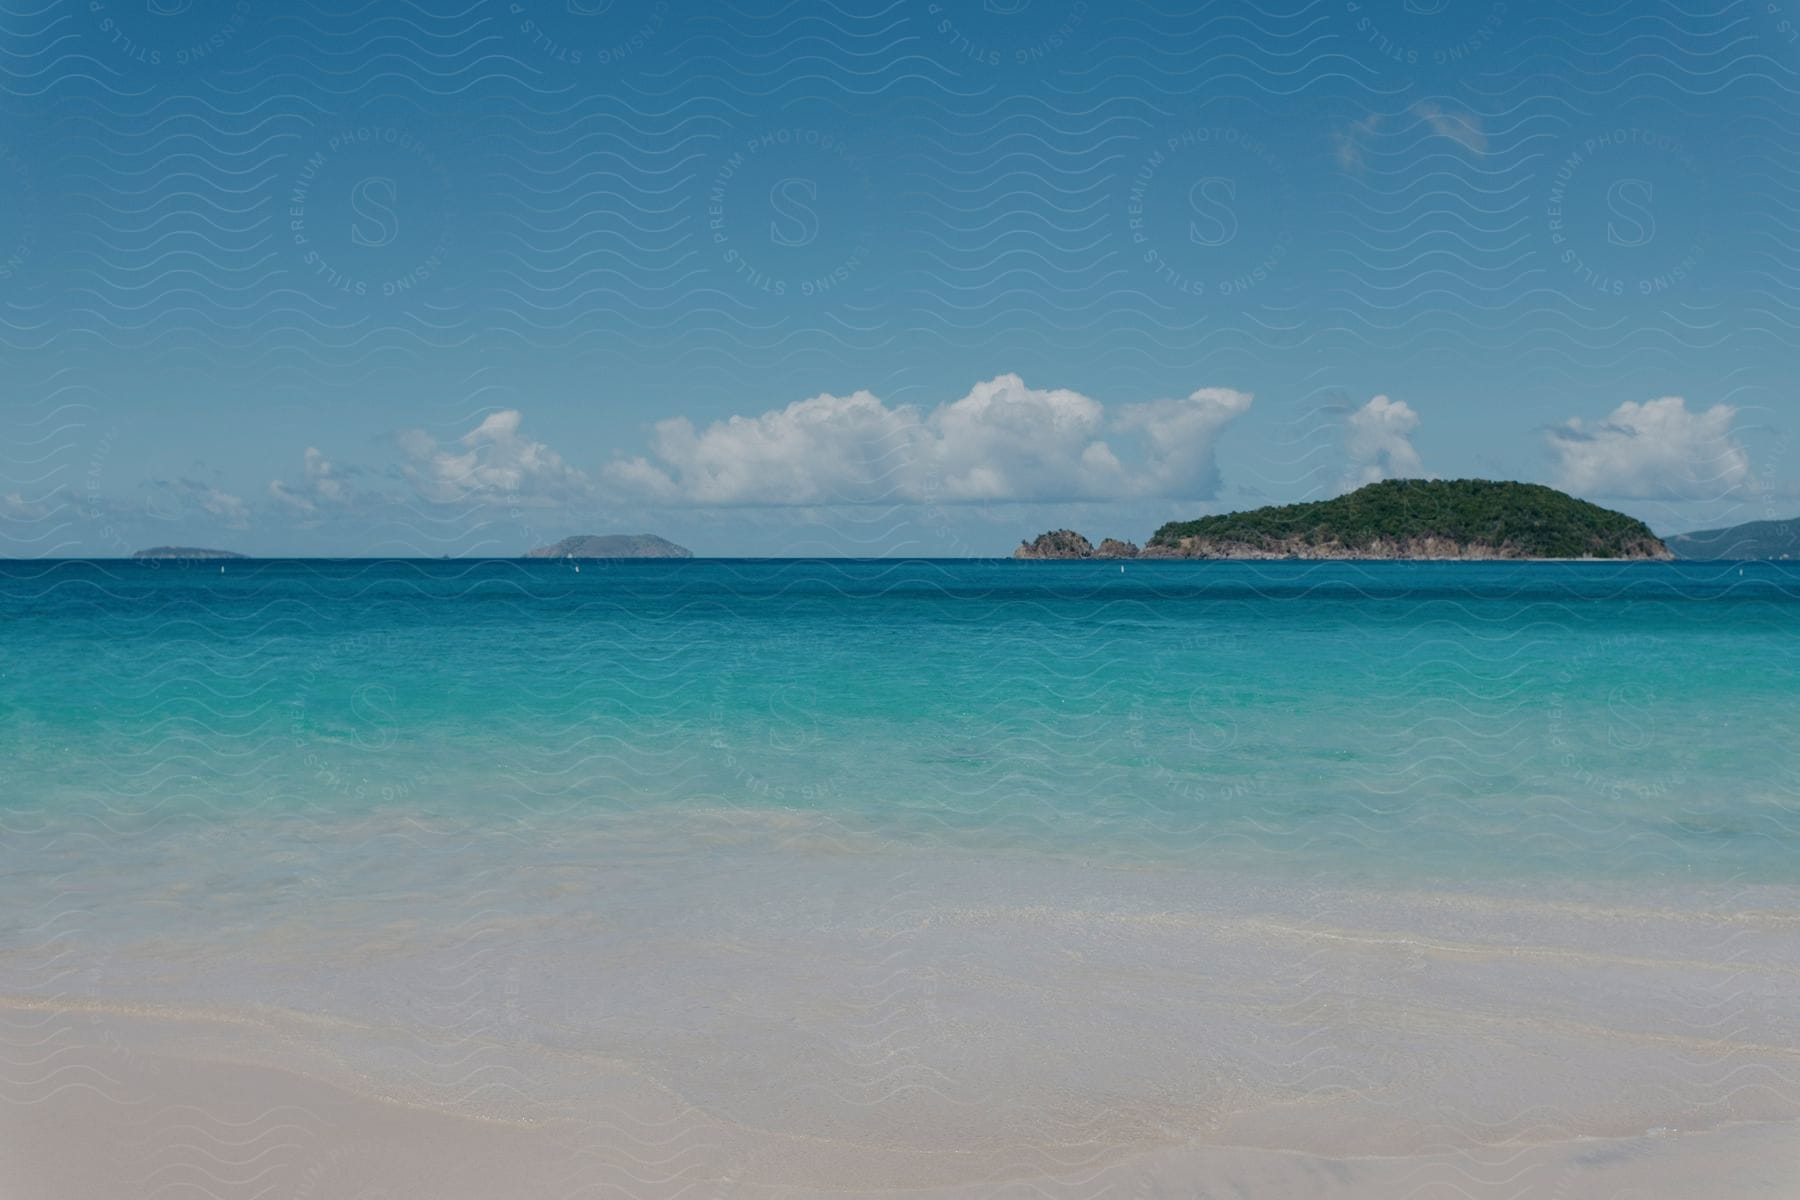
{"points": [[1756, 539], [185, 552], [1396, 518], [612, 545]]}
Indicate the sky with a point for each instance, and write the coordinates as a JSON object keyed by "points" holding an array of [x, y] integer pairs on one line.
{"points": [[880, 277]]}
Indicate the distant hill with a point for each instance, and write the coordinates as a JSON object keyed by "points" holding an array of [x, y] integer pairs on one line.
{"points": [[1755, 539], [185, 552], [612, 545], [1418, 518]]}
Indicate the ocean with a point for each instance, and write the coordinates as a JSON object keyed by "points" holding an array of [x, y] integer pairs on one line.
{"points": [[1444, 721], [941, 864]]}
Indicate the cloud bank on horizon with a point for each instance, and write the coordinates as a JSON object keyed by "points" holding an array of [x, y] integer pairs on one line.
{"points": [[1002, 443]]}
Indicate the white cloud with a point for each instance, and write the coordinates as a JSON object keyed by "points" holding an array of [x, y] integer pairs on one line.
{"points": [[817, 451], [1002, 442], [232, 510], [227, 507], [1181, 434], [321, 486], [493, 461], [1656, 450], [15, 507], [1352, 139], [1378, 443], [1006, 441], [1461, 127]]}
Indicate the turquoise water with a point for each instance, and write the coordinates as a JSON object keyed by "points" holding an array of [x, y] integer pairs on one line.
{"points": [[847, 875], [1443, 722]]}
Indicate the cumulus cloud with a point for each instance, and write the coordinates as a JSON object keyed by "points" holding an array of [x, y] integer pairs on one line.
{"points": [[493, 461], [15, 507], [1002, 442], [816, 451], [321, 486], [191, 493], [1378, 443], [1180, 436], [1657, 450]]}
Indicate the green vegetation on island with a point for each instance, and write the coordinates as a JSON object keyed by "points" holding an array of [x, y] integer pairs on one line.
{"points": [[1418, 518]]}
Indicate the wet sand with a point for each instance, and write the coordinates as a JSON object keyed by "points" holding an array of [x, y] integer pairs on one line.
{"points": [[838, 1015], [105, 1110]]}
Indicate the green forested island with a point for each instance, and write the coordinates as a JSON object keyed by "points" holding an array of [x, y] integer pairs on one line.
{"points": [[1418, 518]]}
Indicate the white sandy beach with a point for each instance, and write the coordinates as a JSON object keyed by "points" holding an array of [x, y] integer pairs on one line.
{"points": [[824, 1013], [114, 1113]]}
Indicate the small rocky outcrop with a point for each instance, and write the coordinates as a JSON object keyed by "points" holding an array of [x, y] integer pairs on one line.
{"points": [[1066, 543], [1058, 543]]}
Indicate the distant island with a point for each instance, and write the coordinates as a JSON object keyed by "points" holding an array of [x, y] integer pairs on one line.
{"points": [[185, 552], [1395, 519], [612, 545], [1754, 539]]}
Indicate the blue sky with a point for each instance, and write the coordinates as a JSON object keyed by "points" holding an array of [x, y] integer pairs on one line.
{"points": [[902, 277]]}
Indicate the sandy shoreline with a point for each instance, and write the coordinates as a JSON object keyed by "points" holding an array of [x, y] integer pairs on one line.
{"points": [[103, 1110], [820, 1013]]}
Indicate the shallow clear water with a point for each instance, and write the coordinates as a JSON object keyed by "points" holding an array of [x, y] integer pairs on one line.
{"points": [[1448, 721], [870, 873]]}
